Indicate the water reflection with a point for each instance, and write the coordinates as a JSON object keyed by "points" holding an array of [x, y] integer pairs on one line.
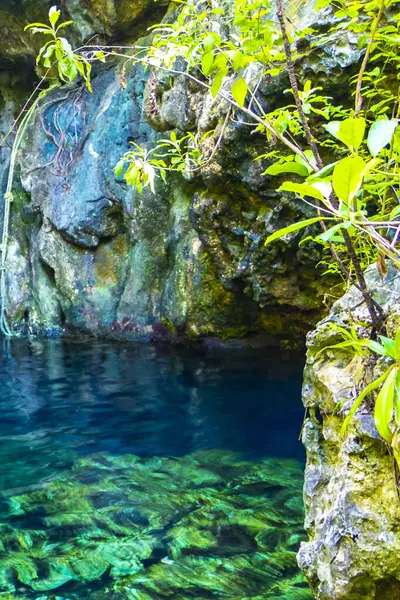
{"points": [[148, 473], [59, 401]]}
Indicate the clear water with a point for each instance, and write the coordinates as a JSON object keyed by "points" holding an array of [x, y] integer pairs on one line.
{"points": [[135, 472]]}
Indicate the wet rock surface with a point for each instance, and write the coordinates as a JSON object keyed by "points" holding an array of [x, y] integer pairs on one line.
{"points": [[351, 500], [89, 254]]}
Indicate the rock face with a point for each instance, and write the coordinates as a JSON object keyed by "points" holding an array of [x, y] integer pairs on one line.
{"points": [[108, 19], [352, 505], [89, 253]]}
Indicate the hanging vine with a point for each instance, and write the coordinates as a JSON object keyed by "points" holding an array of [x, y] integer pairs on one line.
{"points": [[55, 53]]}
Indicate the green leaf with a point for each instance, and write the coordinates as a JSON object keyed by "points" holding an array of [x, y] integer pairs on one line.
{"points": [[381, 134], [65, 24], [291, 229], [288, 167], [54, 15], [217, 83], [100, 56], [350, 131], [384, 406], [389, 346], [377, 348], [394, 212], [239, 91], [207, 61], [346, 344], [237, 59], [348, 177], [322, 4], [329, 233], [397, 345], [119, 167], [42, 30], [397, 397], [309, 164], [38, 26], [302, 189], [323, 172], [208, 43], [367, 390]]}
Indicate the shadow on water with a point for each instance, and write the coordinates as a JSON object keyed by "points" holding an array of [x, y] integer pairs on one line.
{"points": [[133, 471]]}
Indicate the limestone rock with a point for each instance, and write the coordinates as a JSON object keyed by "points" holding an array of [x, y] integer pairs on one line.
{"points": [[89, 254], [351, 501]]}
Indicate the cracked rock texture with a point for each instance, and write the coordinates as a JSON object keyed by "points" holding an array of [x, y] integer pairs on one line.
{"points": [[351, 501], [87, 252]]}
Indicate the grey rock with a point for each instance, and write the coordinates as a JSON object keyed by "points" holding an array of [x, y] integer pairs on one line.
{"points": [[352, 505]]}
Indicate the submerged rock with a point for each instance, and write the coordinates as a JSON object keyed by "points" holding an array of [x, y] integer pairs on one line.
{"points": [[157, 528]]}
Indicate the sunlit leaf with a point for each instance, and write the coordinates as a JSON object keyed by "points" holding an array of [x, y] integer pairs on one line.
{"points": [[367, 390], [119, 167], [384, 406], [302, 189], [323, 172], [207, 62], [327, 235], [397, 345], [291, 229], [54, 15], [348, 177], [389, 346], [288, 167], [381, 134], [217, 83], [208, 43], [239, 91], [350, 131]]}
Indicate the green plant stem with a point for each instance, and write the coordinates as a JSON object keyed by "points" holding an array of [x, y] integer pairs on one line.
{"points": [[375, 313], [295, 86], [358, 97], [8, 197]]}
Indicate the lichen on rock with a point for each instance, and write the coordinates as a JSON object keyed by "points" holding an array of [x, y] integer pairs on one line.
{"points": [[351, 498]]}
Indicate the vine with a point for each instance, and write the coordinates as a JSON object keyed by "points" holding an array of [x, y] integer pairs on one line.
{"points": [[56, 52], [8, 198], [352, 196]]}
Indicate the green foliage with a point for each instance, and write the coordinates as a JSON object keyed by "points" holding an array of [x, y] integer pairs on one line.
{"points": [[291, 229], [381, 135], [58, 51], [144, 167], [355, 191], [387, 404], [229, 52]]}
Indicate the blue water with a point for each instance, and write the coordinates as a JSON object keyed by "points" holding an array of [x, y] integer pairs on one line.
{"points": [[82, 424]]}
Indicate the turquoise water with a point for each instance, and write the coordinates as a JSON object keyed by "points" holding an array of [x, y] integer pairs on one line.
{"points": [[136, 472]]}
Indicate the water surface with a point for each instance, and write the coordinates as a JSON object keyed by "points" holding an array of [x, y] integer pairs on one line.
{"points": [[140, 472]]}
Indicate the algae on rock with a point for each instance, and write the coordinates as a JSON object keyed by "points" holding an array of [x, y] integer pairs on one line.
{"points": [[186, 262], [351, 501], [207, 523]]}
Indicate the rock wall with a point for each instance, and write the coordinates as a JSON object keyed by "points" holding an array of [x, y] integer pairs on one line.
{"points": [[352, 504], [89, 253]]}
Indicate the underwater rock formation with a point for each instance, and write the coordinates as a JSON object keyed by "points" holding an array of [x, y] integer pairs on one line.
{"points": [[351, 501], [87, 252], [124, 528]]}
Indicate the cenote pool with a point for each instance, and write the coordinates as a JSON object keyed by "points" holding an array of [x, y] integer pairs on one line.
{"points": [[143, 473]]}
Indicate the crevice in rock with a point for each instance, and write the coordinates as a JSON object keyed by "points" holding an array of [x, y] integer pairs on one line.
{"points": [[50, 273]]}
